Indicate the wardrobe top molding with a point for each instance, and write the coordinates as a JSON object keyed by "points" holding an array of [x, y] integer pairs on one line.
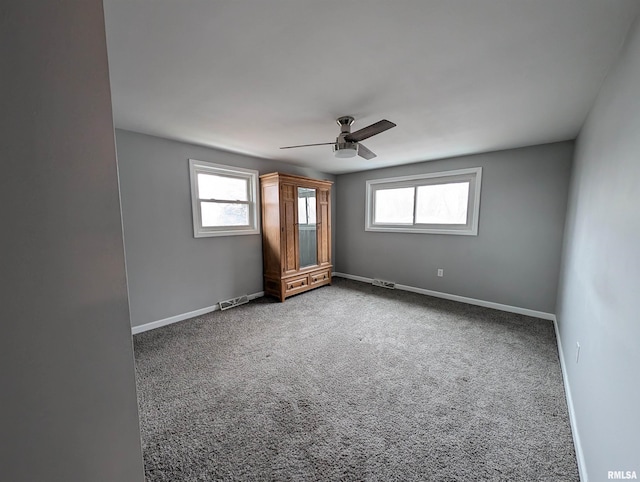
{"points": [[294, 178]]}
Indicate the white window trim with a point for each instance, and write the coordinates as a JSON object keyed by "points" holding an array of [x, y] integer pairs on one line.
{"points": [[250, 175], [473, 175]]}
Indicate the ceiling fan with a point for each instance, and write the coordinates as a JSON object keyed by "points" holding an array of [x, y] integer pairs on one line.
{"points": [[347, 144]]}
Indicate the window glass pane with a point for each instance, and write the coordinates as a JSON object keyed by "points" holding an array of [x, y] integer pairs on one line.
{"points": [[302, 210], [311, 210], [211, 186], [222, 214], [442, 203], [394, 205]]}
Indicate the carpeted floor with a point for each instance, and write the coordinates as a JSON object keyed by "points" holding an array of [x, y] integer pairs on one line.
{"points": [[353, 382]]}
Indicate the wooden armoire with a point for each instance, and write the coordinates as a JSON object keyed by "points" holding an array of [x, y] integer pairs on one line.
{"points": [[296, 233]]}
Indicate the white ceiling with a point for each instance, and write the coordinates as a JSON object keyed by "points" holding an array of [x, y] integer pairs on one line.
{"points": [[456, 76]]}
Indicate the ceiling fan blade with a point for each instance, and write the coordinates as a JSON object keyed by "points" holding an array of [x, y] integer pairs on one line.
{"points": [[364, 152], [369, 131], [309, 145]]}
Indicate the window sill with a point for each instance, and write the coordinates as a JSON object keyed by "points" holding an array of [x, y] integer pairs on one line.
{"points": [[393, 229], [210, 234]]}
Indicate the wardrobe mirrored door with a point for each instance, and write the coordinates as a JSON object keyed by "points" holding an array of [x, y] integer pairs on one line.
{"points": [[307, 227]]}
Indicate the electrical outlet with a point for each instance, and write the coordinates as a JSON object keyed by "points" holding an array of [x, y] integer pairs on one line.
{"points": [[440, 272], [577, 352]]}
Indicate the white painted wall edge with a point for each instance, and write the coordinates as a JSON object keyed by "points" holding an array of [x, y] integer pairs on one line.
{"points": [[461, 299], [184, 316], [582, 468]]}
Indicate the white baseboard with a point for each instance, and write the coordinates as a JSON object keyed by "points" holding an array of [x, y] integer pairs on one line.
{"points": [[582, 468], [184, 316], [462, 299]]}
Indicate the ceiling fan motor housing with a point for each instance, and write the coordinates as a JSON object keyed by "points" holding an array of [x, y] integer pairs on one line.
{"points": [[342, 147]]}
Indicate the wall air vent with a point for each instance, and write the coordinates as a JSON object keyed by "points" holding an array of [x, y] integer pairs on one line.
{"points": [[384, 284], [233, 302]]}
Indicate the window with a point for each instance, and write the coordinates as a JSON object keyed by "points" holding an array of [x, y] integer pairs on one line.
{"points": [[438, 203], [223, 199]]}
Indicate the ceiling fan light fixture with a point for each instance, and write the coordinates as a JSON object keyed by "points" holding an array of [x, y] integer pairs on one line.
{"points": [[345, 150]]}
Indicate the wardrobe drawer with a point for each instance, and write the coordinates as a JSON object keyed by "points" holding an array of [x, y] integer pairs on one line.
{"points": [[320, 277], [292, 285]]}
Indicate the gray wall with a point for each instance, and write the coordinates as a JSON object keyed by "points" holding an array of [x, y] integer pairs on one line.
{"points": [[515, 257], [67, 389], [600, 281], [169, 271]]}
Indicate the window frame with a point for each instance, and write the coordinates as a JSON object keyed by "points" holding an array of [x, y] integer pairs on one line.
{"points": [[249, 175], [471, 175]]}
